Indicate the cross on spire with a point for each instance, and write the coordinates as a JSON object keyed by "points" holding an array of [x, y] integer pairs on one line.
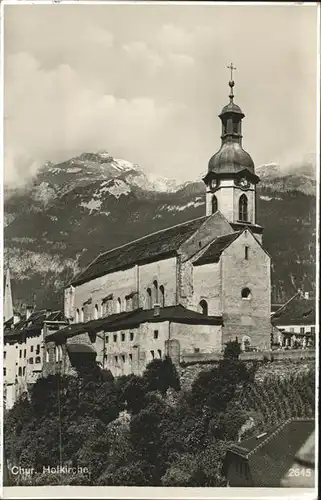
{"points": [[231, 82], [232, 68]]}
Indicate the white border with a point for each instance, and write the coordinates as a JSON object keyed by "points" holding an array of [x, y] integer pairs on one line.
{"points": [[160, 492]]}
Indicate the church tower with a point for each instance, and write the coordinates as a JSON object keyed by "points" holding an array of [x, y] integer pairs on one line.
{"points": [[231, 180], [7, 306]]}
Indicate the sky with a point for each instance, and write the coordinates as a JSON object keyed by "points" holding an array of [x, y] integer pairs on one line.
{"points": [[147, 82]]}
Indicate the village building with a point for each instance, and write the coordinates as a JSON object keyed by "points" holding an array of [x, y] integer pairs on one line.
{"points": [[23, 346], [182, 291], [294, 323], [283, 456]]}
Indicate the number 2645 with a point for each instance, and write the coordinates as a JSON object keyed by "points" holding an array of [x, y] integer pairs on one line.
{"points": [[300, 472]]}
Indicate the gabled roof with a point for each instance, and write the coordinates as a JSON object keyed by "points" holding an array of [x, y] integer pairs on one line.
{"points": [[33, 324], [154, 246], [297, 311], [132, 319], [271, 454], [215, 249]]}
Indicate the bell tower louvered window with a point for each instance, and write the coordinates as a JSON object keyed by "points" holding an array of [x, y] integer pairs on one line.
{"points": [[243, 208]]}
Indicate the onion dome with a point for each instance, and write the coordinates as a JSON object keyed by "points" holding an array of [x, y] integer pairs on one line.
{"points": [[230, 158]]}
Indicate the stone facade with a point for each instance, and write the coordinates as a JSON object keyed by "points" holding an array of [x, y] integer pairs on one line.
{"points": [[22, 364], [212, 267], [24, 356], [249, 316], [177, 280]]}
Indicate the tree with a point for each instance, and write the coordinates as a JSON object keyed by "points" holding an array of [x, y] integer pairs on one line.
{"points": [[137, 473], [232, 349], [132, 390], [160, 375]]}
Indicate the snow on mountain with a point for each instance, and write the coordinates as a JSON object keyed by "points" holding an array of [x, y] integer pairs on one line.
{"points": [[124, 165], [73, 210], [300, 176]]}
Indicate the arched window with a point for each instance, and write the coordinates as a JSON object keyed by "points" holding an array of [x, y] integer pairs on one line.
{"points": [[162, 296], [82, 314], [77, 316], [149, 298], [214, 205], [243, 215], [96, 311], [155, 290], [118, 305], [204, 307], [246, 293]]}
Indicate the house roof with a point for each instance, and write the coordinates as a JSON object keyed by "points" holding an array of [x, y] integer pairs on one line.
{"points": [[255, 228], [132, 319], [81, 349], [271, 454], [148, 248], [215, 249], [34, 324], [275, 307], [297, 311]]}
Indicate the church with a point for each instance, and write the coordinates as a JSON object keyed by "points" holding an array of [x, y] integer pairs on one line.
{"points": [[184, 291]]}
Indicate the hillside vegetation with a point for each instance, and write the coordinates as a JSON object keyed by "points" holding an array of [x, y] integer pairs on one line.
{"points": [[146, 431]]}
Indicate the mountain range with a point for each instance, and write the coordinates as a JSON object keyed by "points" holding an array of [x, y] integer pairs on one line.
{"points": [[71, 211]]}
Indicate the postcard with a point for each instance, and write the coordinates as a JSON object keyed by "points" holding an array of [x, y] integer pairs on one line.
{"points": [[160, 270]]}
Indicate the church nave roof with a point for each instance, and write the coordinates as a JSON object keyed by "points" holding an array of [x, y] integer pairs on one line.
{"points": [[146, 249]]}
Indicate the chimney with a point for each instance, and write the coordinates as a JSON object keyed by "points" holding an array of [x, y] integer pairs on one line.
{"points": [[28, 311], [156, 310]]}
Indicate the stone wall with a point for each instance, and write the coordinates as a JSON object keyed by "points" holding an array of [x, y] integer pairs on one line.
{"points": [[197, 339], [119, 283], [162, 271], [129, 351], [123, 283], [246, 317], [287, 355], [207, 286]]}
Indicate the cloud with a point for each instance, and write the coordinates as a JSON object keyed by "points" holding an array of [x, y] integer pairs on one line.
{"points": [[63, 115], [101, 37], [139, 53], [182, 60], [175, 38], [147, 83]]}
